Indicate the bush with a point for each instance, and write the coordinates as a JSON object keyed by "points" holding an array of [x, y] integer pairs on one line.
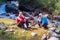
{"points": [[1, 32]]}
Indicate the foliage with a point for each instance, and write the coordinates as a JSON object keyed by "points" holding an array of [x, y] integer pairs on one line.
{"points": [[51, 5], [1, 1], [1, 31], [57, 10], [19, 34]]}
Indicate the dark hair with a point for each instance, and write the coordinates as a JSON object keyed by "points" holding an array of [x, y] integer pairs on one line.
{"points": [[20, 11]]}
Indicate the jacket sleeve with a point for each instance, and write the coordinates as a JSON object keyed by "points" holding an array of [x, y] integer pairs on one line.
{"points": [[16, 21]]}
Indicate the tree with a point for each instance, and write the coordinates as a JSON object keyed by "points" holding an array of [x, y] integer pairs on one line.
{"points": [[50, 5], [57, 7], [2, 1]]}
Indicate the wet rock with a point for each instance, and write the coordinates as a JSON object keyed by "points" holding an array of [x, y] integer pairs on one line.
{"points": [[12, 16], [44, 37], [23, 30], [2, 27], [9, 30], [30, 39], [33, 34]]}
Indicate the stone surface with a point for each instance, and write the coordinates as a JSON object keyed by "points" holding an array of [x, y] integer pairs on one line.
{"points": [[33, 33], [2, 26]]}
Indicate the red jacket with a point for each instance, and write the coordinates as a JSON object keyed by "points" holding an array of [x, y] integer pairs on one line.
{"points": [[20, 19]]}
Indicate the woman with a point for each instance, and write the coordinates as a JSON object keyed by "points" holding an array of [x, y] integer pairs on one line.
{"points": [[21, 21]]}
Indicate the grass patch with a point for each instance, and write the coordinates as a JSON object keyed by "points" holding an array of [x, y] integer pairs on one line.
{"points": [[19, 34]]}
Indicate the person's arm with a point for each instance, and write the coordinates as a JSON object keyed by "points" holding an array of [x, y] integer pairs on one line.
{"points": [[24, 20], [16, 22], [19, 18], [42, 21]]}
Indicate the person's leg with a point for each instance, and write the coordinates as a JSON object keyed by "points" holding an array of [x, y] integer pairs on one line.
{"points": [[20, 25], [27, 23], [23, 24], [45, 26], [39, 23]]}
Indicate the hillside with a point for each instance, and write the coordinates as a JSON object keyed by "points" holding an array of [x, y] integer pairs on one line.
{"points": [[18, 33]]}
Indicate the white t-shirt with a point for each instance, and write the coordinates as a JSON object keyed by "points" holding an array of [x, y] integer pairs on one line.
{"points": [[39, 19]]}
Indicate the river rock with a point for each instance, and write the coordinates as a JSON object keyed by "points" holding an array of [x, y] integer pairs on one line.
{"points": [[2, 26], [33, 34]]}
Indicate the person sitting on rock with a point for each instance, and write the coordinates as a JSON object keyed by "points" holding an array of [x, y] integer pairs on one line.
{"points": [[44, 22], [21, 20]]}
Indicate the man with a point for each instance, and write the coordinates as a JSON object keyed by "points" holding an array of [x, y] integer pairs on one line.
{"points": [[21, 21], [44, 21]]}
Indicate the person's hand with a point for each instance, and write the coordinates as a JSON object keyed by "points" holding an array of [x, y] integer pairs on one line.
{"points": [[25, 20], [41, 25]]}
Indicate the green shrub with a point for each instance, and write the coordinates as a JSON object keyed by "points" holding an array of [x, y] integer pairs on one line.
{"points": [[1, 31]]}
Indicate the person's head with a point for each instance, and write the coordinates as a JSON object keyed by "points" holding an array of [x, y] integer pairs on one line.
{"points": [[20, 13], [40, 15]]}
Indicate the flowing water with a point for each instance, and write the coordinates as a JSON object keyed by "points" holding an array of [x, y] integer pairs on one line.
{"points": [[2, 9]]}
